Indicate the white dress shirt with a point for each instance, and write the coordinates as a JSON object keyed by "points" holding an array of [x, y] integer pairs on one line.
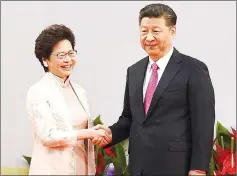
{"points": [[162, 62]]}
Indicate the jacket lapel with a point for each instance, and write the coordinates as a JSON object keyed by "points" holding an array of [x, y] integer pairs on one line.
{"points": [[139, 77], [81, 97], [171, 70], [56, 97]]}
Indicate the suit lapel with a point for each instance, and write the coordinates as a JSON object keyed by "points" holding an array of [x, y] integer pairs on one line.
{"points": [[171, 70], [140, 75]]}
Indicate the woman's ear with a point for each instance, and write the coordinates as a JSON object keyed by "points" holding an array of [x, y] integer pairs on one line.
{"points": [[45, 62]]}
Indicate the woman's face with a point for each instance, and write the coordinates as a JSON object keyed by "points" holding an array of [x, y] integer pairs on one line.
{"points": [[62, 59]]}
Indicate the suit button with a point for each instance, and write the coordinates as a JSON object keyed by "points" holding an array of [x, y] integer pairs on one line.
{"points": [[143, 126]]}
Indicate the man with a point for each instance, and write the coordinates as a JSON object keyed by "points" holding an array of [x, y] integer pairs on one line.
{"points": [[169, 104]]}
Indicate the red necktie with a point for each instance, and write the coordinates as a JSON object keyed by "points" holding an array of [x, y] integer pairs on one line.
{"points": [[151, 87]]}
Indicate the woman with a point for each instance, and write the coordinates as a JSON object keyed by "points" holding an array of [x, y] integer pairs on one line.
{"points": [[59, 110]]}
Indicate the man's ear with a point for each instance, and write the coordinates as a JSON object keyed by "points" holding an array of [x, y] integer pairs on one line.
{"points": [[173, 31]]}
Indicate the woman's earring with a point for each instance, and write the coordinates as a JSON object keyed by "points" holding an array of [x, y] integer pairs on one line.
{"points": [[45, 64]]}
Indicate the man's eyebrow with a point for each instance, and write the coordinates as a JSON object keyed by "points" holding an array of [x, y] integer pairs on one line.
{"points": [[155, 25]]}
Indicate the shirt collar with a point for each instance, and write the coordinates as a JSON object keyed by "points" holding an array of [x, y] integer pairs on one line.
{"points": [[60, 81], [162, 62]]}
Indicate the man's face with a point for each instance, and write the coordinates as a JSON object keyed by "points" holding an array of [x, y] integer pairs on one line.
{"points": [[156, 36]]}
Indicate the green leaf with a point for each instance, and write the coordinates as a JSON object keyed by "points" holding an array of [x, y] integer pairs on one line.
{"points": [[126, 172], [117, 166], [119, 149], [97, 121], [222, 131], [27, 158], [212, 165]]}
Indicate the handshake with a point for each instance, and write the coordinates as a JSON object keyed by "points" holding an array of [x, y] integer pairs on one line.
{"points": [[101, 135]]}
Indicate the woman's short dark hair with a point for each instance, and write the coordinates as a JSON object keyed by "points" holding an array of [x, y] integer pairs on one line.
{"points": [[48, 38], [158, 10]]}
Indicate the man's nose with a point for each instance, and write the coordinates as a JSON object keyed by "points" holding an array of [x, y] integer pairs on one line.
{"points": [[149, 37]]}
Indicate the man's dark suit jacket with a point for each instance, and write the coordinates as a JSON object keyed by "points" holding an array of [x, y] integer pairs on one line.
{"points": [[176, 134]]}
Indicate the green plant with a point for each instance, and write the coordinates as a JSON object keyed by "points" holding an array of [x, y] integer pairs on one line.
{"points": [[114, 154], [223, 159]]}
